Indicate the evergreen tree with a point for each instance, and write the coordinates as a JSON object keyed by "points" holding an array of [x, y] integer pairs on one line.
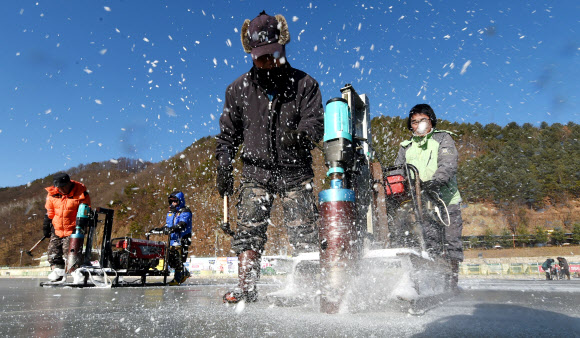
{"points": [[540, 236], [488, 238], [576, 233], [558, 236], [506, 240]]}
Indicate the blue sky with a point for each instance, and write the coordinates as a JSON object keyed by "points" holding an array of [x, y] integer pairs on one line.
{"points": [[85, 81]]}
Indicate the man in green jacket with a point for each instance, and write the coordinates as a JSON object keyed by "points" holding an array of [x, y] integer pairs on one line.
{"points": [[434, 155]]}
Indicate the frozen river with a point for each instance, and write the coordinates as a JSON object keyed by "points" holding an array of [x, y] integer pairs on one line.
{"points": [[484, 308]]}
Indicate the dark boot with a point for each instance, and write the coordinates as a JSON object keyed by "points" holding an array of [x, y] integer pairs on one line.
{"points": [[452, 278], [454, 275], [176, 278], [248, 276]]}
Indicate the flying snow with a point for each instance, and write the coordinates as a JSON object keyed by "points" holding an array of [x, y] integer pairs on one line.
{"points": [[464, 68], [107, 8], [97, 101], [170, 112]]}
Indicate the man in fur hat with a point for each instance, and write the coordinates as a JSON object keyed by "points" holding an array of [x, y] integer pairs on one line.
{"points": [[276, 112]]}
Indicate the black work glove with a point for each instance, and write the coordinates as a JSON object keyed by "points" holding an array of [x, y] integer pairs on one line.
{"points": [[292, 139], [47, 227], [225, 181], [430, 186], [179, 227]]}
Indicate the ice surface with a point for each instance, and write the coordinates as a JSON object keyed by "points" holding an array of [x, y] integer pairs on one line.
{"points": [[28, 310]]}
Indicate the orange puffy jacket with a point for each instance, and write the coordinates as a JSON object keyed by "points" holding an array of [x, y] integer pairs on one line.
{"points": [[62, 209]]}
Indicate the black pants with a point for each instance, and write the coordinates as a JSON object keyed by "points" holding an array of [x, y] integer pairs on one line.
{"points": [[178, 254]]}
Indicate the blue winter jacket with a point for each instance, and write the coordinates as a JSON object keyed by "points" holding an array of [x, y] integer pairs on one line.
{"points": [[180, 217]]}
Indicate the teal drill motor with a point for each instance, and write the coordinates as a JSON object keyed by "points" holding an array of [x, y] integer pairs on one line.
{"points": [[77, 239]]}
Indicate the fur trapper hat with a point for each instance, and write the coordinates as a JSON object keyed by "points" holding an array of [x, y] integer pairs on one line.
{"points": [[265, 34]]}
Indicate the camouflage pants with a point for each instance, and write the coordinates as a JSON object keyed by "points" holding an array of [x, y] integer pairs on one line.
{"points": [[254, 206], [57, 251]]}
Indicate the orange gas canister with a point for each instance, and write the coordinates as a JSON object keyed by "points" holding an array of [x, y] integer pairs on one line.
{"points": [[395, 185]]}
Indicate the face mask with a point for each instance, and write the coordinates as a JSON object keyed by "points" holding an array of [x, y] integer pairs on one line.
{"points": [[422, 128], [270, 78]]}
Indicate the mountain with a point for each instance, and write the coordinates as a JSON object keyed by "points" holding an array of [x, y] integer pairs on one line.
{"points": [[518, 171]]}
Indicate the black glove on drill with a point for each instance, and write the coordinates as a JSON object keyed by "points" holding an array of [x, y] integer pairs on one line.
{"points": [[430, 186], [47, 227], [295, 139], [225, 181]]}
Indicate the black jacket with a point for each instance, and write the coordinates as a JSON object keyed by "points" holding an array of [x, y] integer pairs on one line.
{"points": [[563, 263], [252, 119]]}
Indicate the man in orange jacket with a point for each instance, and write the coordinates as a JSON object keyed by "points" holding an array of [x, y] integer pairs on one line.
{"points": [[62, 204]]}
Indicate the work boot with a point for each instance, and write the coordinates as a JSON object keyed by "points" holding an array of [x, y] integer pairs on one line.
{"points": [[237, 296], [177, 276], [56, 275], [184, 276], [248, 276], [453, 278]]}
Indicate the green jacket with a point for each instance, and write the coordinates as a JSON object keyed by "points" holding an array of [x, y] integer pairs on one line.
{"points": [[435, 156]]}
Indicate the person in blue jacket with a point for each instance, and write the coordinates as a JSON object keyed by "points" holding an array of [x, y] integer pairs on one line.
{"points": [[178, 222]]}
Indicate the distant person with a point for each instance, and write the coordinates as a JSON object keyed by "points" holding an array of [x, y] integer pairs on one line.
{"points": [[564, 267], [434, 154], [547, 267], [179, 222], [62, 204], [276, 112]]}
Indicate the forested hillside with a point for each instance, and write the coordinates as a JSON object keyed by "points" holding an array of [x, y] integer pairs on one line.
{"points": [[516, 170]]}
